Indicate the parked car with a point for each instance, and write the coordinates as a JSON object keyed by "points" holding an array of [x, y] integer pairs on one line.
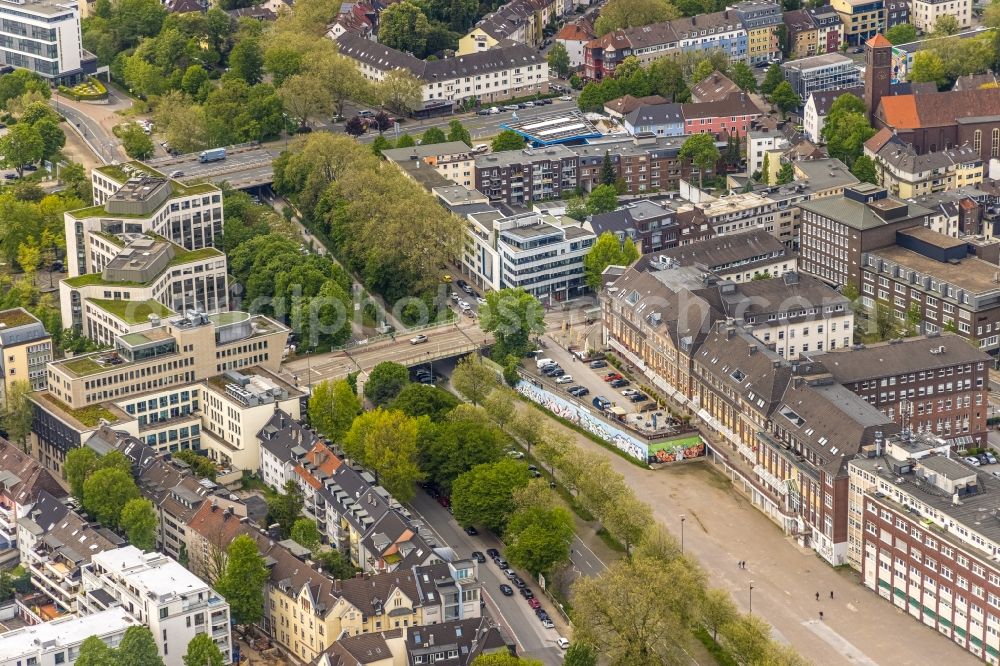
{"points": [[983, 460], [972, 460], [511, 107], [601, 402], [579, 391], [462, 283], [516, 455], [492, 553], [565, 379], [599, 363], [612, 376], [527, 593], [510, 573], [992, 458], [480, 300], [638, 397], [478, 557], [502, 563], [618, 383], [506, 590], [519, 582], [534, 603], [562, 643], [471, 531], [629, 391], [176, 174], [480, 148], [566, 98], [366, 113], [418, 339]]}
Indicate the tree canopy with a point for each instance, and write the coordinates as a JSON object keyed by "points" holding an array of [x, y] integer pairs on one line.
{"points": [[484, 494], [242, 581], [386, 443], [617, 14], [607, 251], [385, 382], [512, 316]]}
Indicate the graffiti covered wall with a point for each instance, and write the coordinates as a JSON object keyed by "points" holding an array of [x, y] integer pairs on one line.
{"points": [[582, 417]]}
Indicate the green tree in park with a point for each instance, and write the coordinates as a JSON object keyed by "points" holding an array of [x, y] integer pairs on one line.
{"points": [[772, 80], [902, 33], [433, 135], [558, 59], [333, 407], [403, 26], [608, 173], [512, 316], [138, 648], [16, 415], [305, 533], [474, 379], [538, 537], [618, 14], [20, 146], [928, 66], [484, 494], [105, 494], [385, 382], [386, 443], [202, 651], [137, 143], [284, 507], [744, 77], [507, 140], [242, 582], [457, 132], [864, 169], [139, 521], [785, 98], [786, 174], [246, 61], [701, 151], [95, 652], [416, 400], [607, 251], [602, 199], [455, 444]]}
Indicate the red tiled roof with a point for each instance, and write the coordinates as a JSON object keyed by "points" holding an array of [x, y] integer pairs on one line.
{"points": [[881, 138], [879, 42], [572, 32], [900, 111]]}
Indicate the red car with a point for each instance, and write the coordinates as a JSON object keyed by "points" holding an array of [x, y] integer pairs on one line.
{"points": [[444, 501], [534, 603], [612, 376]]}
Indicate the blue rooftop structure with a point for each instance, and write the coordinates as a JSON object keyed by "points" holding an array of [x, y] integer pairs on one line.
{"points": [[562, 128]]}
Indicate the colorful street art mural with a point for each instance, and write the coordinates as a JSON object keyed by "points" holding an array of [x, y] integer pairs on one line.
{"points": [[674, 450], [666, 451]]}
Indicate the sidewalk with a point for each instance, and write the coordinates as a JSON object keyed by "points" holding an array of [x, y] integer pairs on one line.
{"points": [[722, 527]]}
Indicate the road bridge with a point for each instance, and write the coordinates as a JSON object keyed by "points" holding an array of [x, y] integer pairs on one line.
{"points": [[245, 166]]}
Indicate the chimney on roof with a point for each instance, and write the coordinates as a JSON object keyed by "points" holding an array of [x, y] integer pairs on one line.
{"points": [[226, 513], [215, 505]]}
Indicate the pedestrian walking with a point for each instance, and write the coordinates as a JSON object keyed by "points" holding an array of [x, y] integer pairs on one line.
{"points": [[831, 594], [821, 616], [817, 596]]}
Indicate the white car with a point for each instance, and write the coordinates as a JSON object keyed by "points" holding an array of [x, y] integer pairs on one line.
{"points": [[480, 300], [464, 305], [418, 339], [566, 98], [972, 460], [480, 148], [565, 379], [562, 643], [629, 391], [548, 624], [516, 455]]}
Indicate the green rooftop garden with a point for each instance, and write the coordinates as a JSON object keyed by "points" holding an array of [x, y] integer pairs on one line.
{"points": [[99, 211], [116, 171], [90, 416], [180, 189], [182, 256], [96, 279], [224, 318], [132, 312], [84, 365], [111, 238], [15, 317]]}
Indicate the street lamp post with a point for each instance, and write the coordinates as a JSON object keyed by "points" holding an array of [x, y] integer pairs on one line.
{"points": [[751, 599], [682, 533]]}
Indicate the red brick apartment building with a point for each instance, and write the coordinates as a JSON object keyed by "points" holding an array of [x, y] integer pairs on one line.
{"points": [[926, 536], [930, 384]]}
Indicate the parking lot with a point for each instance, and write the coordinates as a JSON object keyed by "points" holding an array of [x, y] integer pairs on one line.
{"points": [[645, 416]]}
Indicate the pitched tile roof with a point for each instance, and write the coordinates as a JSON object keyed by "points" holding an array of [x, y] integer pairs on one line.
{"points": [[713, 88], [878, 42], [627, 103], [734, 104], [22, 477], [659, 114], [575, 32], [939, 110], [384, 58]]}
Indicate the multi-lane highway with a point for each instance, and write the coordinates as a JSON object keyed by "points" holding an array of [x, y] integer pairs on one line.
{"points": [[244, 166]]}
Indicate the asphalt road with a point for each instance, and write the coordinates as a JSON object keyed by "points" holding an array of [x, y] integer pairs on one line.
{"points": [[103, 144], [533, 640], [448, 340]]}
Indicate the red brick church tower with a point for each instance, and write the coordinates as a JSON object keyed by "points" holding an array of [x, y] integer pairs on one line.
{"points": [[878, 72]]}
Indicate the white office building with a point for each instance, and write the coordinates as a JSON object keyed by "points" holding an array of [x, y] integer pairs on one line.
{"points": [[537, 252], [157, 591], [44, 37], [57, 643]]}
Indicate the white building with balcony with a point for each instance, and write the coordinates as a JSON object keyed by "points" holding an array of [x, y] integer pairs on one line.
{"points": [[538, 252], [44, 37], [22, 480], [157, 591], [57, 643]]}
